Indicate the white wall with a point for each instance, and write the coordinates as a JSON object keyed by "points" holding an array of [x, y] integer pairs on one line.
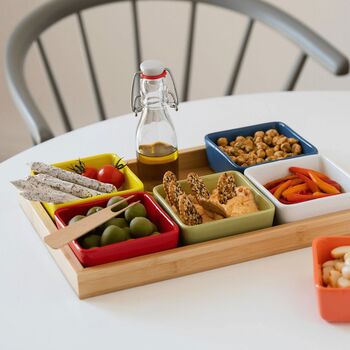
{"points": [[164, 29]]}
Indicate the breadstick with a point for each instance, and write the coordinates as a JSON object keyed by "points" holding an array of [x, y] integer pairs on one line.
{"points": [[63, 186], [69, 176], [55, 198], [42, 192]]}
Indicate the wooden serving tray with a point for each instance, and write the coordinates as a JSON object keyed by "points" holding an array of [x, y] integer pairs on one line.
{"points": [[92, 281]]}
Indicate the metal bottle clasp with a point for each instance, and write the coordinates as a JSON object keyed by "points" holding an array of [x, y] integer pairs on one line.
{"points": [[136, 105]]}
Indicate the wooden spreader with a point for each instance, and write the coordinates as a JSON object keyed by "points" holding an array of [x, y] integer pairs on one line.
{"points": [[92, 281]]}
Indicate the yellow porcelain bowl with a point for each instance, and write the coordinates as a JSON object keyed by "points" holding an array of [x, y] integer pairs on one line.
{"points": [[131, 184]]}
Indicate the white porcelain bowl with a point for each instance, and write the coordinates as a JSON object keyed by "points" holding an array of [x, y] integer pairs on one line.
{"points": [[262, 174]]}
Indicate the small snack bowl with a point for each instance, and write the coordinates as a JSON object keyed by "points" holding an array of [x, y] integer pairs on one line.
{"points": [[334, 303], [220, 161], [224, 227], [285, 213], [131, 184], [166, 239]]}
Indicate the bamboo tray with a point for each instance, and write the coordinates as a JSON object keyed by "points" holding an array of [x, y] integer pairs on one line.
{"points": [[92, 281]]}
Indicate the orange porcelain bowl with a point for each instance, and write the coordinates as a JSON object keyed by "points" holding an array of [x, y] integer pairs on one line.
{"points": [[334, 303]]}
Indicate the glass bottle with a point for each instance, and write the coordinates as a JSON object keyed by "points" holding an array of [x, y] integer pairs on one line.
{"points": [[156, 142]]}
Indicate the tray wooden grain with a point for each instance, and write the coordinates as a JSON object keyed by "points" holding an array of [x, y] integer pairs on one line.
{"points": [[92, 281]]}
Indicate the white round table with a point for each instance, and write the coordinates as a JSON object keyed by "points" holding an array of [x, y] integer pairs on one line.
{"points": [[262, 304]]}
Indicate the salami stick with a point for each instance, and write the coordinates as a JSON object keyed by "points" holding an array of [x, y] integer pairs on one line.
{"points": [[69, 176], [63, 186]]}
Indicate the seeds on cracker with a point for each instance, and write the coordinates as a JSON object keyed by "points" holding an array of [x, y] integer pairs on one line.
{"points": [[188, 212], [199, 190], [226, 187]]}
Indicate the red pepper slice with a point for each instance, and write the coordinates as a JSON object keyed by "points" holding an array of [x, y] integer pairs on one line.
{"points": [[297, 197], [295, 189], [305, 171], [333, 183], [324, 186], [312, 186], [276, 182], [282, 187], [284, 201]]}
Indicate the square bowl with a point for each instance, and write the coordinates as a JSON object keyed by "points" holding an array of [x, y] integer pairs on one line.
{"points": [[334, 303], [298, 211], [220, 161], [167, 239], [224, 227], [131, 184]]}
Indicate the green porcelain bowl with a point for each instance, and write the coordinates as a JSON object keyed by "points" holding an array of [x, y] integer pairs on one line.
{"points": [[225, 227]]}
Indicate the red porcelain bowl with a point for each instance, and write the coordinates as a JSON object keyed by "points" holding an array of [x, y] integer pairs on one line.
{"points": [[167, 239], [334, 303]]}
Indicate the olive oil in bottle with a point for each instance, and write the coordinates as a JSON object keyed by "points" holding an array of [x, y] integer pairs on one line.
{"points": [[156, 142]]}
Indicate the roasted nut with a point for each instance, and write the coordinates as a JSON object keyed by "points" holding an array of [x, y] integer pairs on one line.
{"points": [[261, 153], [272, 133], [233, 143], [346, 271], [269, 152], [329, 263], [244, 164], [281, 139], [222, 141], [259, 160], [268, 140], [292, 140], [240, 138], [285, 147], [251, 162], [259, 134], [326, 273], [240, 159], [339, 252], [279, 154], [339, 265], [343, 282], [258, 139], [270, 158], [276, 148], [334, 275], [233, 158], [274, 140], [296, 148], [347, 258], [261, 145]]}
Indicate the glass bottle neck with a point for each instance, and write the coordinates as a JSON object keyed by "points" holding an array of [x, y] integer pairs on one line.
{"points": [[154, 93]]}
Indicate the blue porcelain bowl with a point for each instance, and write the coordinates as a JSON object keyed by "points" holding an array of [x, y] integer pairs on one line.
{"points": [[220, 161]]}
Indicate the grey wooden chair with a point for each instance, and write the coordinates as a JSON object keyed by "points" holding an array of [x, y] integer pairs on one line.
{"points": [[29, 30]]}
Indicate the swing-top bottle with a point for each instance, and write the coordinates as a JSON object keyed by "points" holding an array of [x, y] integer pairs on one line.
{"points": [[156, 142]]}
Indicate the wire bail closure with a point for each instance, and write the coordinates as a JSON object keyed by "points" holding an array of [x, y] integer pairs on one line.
{"points": [[136, 104]]}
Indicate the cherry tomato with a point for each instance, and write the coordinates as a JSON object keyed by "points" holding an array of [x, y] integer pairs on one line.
{"points": [[110, 174], [90, 172]]}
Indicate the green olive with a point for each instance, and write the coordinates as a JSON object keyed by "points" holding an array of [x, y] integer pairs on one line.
{"points": [[116, 199], [93, 210], [75, 219], [120, 222], [113, 234], [141, 227], [91, 241], [137, 210]]}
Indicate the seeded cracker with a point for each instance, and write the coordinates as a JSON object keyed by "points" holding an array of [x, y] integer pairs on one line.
{"points": [[199, 190], [168, 177], [226, 187], [187, 211], [175, 191]]}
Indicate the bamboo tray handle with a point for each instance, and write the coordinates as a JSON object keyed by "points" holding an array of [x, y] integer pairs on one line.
{"points": [[63, 236]]}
